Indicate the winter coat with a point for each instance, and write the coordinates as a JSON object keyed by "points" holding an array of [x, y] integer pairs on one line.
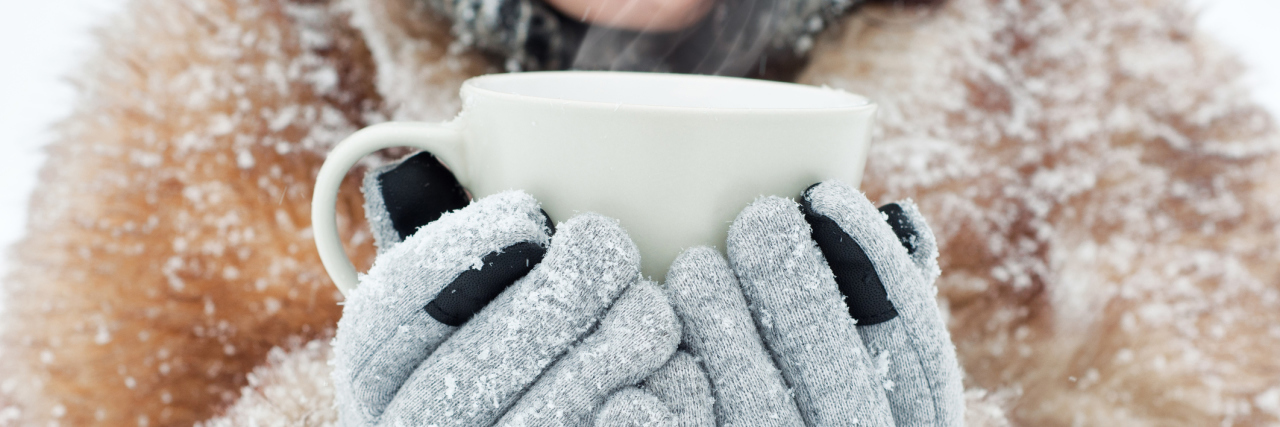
{"points": [[1103, 189]]}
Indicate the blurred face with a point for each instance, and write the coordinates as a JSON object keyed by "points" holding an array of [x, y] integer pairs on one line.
{"points": [[638, 15]]}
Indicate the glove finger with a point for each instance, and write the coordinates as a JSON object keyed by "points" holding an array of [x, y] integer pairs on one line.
{"points": [[683, 387], [802, 316], [719, 330], [633, 407], [636, 337], [913, 348], [483, 368], [915, 235], [385, 332], [405, 195]]}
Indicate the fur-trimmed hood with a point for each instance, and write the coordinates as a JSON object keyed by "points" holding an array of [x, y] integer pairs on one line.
{"points": [[1101, 185]]}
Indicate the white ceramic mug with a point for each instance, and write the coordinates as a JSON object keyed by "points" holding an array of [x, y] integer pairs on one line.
{"points": [[673, 157]]}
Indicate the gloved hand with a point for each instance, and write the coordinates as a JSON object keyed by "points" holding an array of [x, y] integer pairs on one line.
{"points": [[483, 317], [823, 315]]}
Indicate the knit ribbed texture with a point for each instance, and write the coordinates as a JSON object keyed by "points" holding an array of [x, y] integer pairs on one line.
{"points": [[683, 387], [632, 407], [923, 378], [396, 365], [384, 333], [719, 330], [768, 335], [773, 331], [636, 338], [475, 376], [802, 317], [375, 209]]}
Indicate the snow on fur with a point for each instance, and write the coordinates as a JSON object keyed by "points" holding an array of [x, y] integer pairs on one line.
{"points": [[420, 66], [169, 246], [1102, 186], [291, 389], [1103, 190]]}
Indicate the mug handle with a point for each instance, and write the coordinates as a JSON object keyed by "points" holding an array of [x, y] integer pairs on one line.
{"points": [[444, 140]]}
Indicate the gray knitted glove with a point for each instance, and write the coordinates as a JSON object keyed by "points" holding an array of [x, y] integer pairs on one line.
{"points": [[481, 317], [678, 395], [823, 315]]}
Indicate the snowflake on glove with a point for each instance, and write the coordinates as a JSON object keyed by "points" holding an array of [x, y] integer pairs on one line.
{"points": [[488, 314]]}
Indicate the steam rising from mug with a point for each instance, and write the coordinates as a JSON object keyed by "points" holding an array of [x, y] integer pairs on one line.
{"points": [[737, 38], [757, 38]]}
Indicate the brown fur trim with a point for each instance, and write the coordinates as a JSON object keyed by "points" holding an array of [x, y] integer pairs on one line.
{"points": [[169, 246], [1102, 186], [420, 67], [1104, 194], [291, 389]]}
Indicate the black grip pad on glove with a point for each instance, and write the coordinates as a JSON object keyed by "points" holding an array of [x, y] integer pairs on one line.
{"points": [[473, 289], [854, 273], [418, 191]]}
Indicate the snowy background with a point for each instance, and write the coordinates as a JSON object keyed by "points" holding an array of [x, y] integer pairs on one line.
{"points": [[41, 41]]}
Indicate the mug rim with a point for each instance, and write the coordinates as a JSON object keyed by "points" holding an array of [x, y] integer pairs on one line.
{"points": [[857, 102]]}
